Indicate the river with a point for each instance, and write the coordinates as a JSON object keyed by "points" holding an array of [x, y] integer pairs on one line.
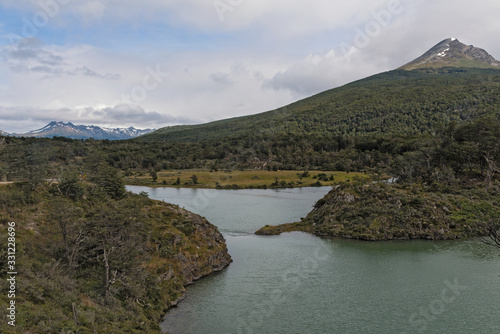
{"points": [[298, 283]]}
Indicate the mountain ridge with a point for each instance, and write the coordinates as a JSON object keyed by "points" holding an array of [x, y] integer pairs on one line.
{"points": [[451, 52], [70, 130], [400, 101]]}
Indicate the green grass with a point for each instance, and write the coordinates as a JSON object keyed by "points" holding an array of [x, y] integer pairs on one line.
{"points": [[242, 179]]}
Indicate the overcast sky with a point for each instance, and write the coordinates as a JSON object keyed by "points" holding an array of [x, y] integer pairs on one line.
{"points": [[154, 63]]}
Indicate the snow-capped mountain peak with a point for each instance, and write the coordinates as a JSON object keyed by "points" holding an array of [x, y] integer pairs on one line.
{"points": [[69, 130], [452, 53]]}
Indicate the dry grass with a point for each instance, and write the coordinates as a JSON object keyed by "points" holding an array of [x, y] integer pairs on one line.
{"points": [[242, 179]]}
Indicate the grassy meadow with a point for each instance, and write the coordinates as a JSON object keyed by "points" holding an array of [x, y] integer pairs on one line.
{"points": [[241, 179]]}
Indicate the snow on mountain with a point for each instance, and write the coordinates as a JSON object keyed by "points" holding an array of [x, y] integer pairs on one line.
{"points": [[69, 130], [451, 52]]}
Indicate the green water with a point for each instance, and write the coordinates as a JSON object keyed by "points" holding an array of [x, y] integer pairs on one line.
{"points": [[298, 283]]}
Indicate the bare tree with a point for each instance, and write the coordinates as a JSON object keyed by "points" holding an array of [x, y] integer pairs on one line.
{"points": [[493, 232], [67, 217], [492, 168], [109, 281], [489, 226], [116, 240]]}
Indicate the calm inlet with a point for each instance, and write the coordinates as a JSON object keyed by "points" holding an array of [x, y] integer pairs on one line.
{"points": [[299, 283]]}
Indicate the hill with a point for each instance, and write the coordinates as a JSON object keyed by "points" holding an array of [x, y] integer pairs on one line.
{"points": [[397, 102], [359, 127], [450, 82], [91, 258]]}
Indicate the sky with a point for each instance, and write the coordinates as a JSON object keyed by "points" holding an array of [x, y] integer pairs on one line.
{"points": [[156, 63]]}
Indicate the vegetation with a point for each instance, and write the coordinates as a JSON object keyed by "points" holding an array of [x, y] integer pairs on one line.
{"points": [[448, 189], [92, 258], [243, 179], [398, 102], [379, 211]]}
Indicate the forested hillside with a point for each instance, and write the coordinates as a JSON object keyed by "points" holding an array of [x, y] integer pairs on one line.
{"points": [[398, 102], [357, 127]]}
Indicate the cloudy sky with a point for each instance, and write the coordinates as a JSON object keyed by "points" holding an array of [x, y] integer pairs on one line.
{"points": [[154, 63]]}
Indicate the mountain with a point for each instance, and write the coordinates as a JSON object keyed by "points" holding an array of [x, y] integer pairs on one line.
{"points": [[450, 82], [451, 52], [69, 130], [3, 133]]}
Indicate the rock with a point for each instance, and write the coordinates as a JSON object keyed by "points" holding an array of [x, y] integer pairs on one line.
{"points": [[201, 250], [178, 300]]}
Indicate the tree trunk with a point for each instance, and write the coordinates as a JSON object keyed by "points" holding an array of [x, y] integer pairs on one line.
{"points": [[492, 169], [108, 280], [75, 319], [106, 266]]}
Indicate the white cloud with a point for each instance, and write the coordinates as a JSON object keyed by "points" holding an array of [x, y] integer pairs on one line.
{"points": [[283, 18], [317, 73], [30, 56], [92, 10]]}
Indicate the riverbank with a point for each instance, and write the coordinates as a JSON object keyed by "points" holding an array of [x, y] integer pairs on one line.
{"points": [[93, 262], [248, 179]]}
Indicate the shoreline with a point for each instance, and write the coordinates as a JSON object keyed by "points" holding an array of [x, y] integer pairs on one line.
{"points": [[246, 179], [275, 230]]}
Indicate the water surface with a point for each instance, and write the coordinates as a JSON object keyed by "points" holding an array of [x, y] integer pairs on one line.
{"points": [[298, 283]]}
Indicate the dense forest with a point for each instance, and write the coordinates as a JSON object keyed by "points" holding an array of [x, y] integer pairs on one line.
{"points": [[403, 156]]}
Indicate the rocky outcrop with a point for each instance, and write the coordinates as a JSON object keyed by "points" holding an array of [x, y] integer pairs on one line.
{"points": [[277, 230], [211, 251], [194, 248], [451, 52]]}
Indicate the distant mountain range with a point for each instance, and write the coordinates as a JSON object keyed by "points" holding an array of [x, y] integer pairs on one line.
{"points": [[69, 130]]}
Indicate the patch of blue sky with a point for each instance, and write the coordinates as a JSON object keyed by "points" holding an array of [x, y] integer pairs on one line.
{"points": [[158, 36], [132, 37], [11, 24]]}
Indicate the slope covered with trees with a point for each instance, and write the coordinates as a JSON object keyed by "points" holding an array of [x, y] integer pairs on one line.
{"points": [[398, 102], [447, 188]]}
